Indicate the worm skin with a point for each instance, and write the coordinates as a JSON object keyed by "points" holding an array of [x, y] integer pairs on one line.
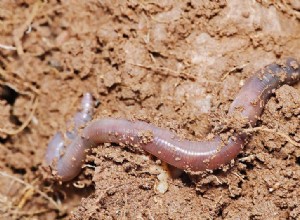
{"points": [[57, 143], [167, 146]]}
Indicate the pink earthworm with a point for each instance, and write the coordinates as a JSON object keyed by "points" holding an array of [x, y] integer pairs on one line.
{"points": [[57, 143], [166, 145]]}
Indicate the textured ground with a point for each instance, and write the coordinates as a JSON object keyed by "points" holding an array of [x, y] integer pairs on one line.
{"points": [[177, 65]]}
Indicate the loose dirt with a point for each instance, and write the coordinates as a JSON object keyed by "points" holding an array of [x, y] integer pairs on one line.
{"points": [[175, 64]]}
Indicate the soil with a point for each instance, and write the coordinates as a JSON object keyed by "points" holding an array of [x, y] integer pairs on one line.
{"points": [[175, 64]]}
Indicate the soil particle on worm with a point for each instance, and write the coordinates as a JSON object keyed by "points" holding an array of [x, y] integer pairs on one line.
{"points": [[175, 64]]}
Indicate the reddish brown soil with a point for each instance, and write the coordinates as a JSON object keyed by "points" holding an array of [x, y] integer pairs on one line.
{"points": [[177, 65]]}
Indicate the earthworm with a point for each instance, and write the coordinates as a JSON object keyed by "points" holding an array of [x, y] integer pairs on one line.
{"points": [[166, 145], [57, 143]]}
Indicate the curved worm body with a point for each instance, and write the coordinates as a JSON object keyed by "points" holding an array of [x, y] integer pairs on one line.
{"points": [[167, 146], [57, 143]]}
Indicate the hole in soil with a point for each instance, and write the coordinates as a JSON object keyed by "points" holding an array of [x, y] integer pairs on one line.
{"points": [[186, 179], [15, 120], [243, 172], [33, 169], [21, 171], [250, 166], [218, 172], [298, 161], [76, 72], [8, 94]]}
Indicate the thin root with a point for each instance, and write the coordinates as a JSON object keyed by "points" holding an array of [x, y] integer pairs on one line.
{"points": [[171, 72], [233, 70], [19, 33], [7, 47], [29, 186], [274, 131], [6, 77], [27, 195], [25, 124]]}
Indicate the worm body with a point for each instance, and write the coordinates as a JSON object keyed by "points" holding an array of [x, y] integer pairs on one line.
{"points": [[56, 145], [167, 146]]}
